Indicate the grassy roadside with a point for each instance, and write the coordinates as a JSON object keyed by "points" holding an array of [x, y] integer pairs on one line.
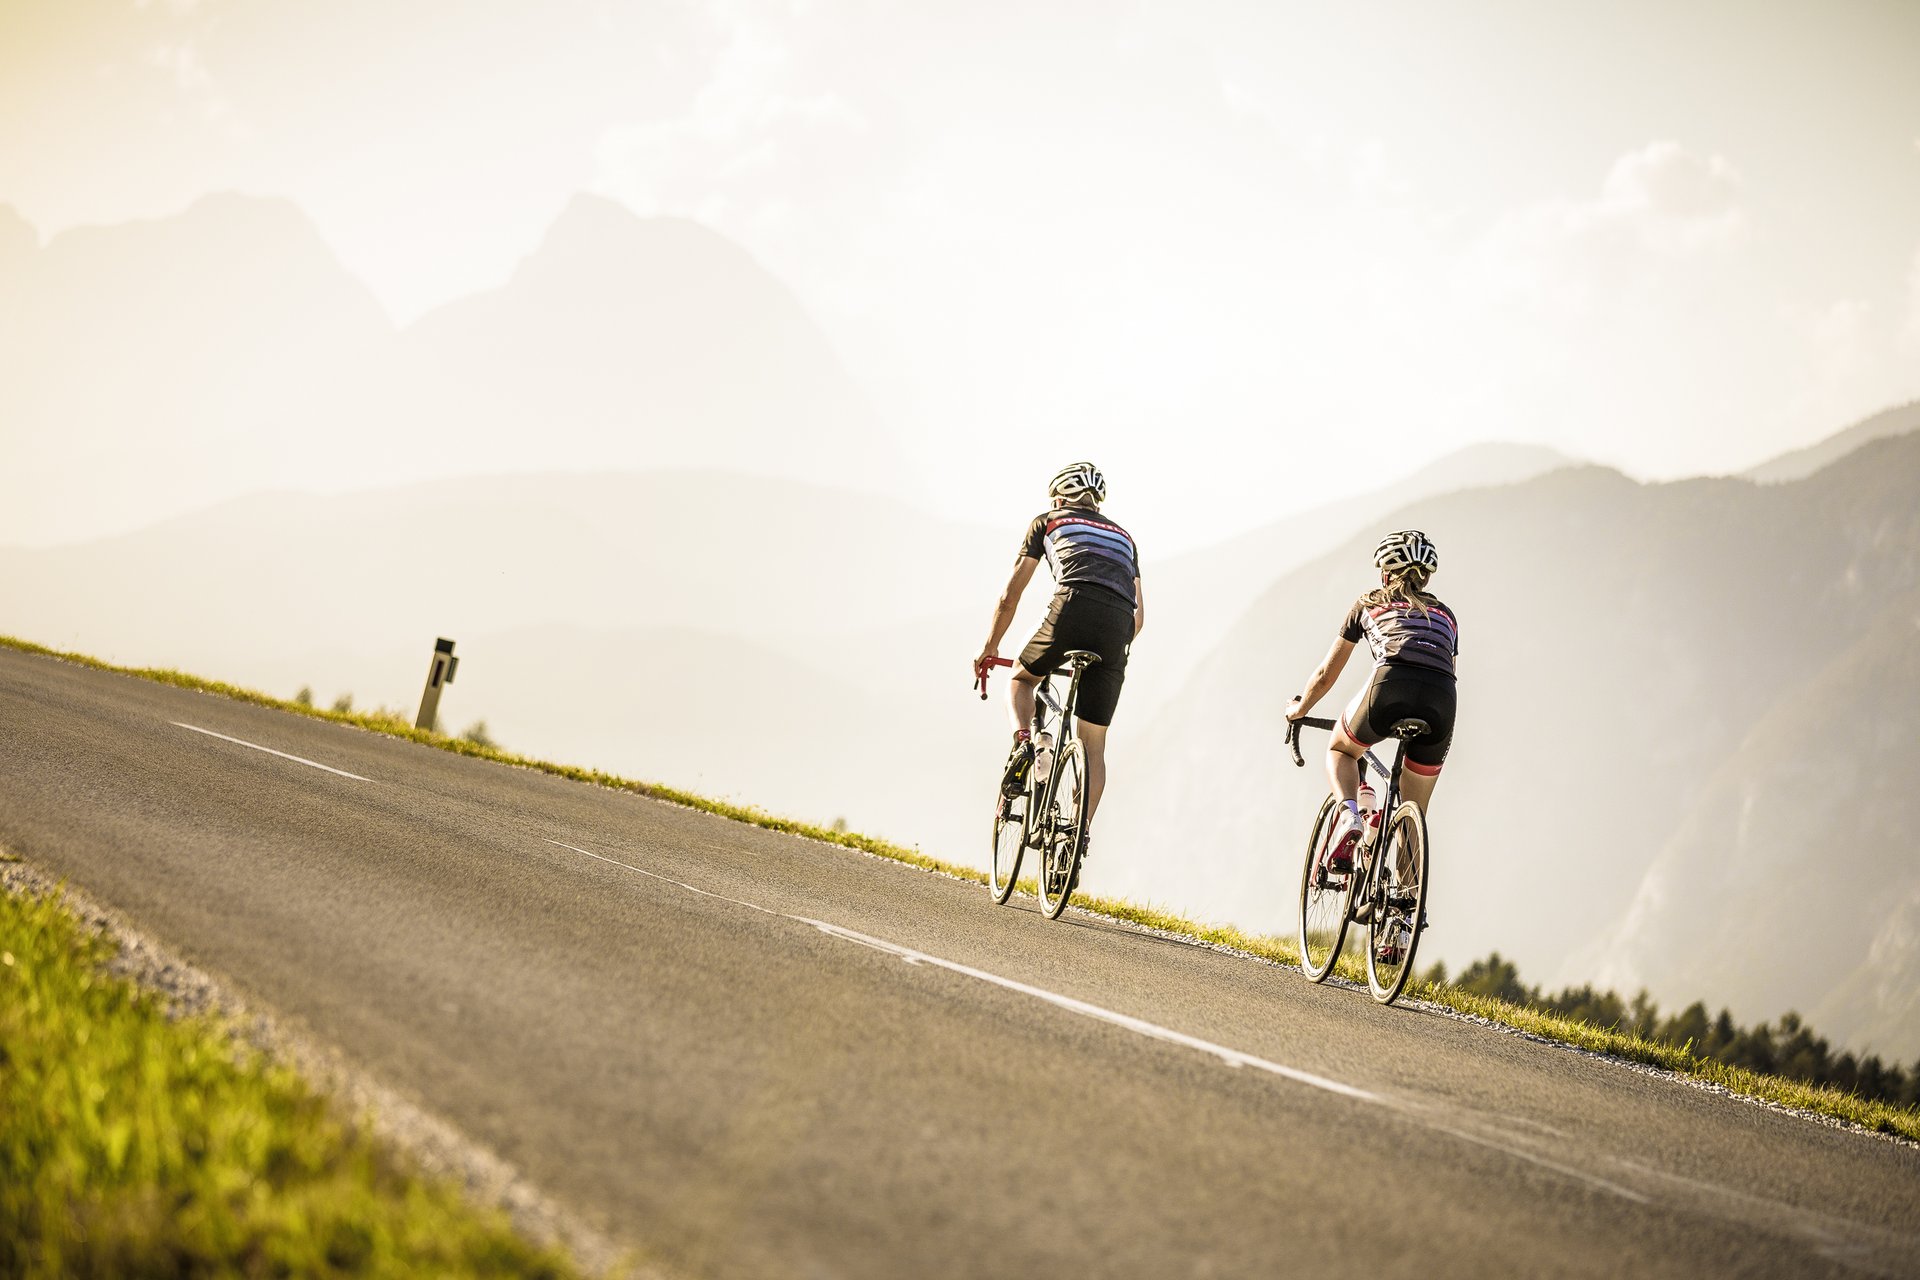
{"points": [[132, 1143], [1876, 1116]]}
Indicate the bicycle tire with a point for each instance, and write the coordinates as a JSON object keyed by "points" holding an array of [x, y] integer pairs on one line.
{"points": [[1061, 845], [1324, 904], [1398, 902], [1009, 829]]}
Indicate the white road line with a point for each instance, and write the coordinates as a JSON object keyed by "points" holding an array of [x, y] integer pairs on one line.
{"points": [[1151, 1030], [1139, 1026], [241, 742], [1564, 1170], [679, 884]]}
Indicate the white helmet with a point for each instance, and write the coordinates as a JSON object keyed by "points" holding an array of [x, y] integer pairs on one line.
{"points": [[1077, 480], [1404, 549]]}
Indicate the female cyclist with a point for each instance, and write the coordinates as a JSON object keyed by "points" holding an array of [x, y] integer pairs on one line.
{"points": [[1414, 641]]}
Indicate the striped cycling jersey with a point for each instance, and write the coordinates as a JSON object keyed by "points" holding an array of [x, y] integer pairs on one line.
{"points": [[1084, 549], [1404, 633]]}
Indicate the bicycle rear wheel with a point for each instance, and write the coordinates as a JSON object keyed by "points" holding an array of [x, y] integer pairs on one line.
{"points": [[1009, 844], [1399, 903], [1324, 898], [1062, 821]]}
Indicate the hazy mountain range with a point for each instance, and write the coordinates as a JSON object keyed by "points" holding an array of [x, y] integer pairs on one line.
{"points": [[1625, 801], [580, 603], [1801, 463], [1682, 754], [1654, 677], [142, 375]]}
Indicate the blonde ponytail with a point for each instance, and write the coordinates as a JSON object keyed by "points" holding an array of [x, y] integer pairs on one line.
{"points": [[1406, 585]]}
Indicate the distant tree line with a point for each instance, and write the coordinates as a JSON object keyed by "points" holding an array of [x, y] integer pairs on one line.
{"points": [[1788, 1047]]}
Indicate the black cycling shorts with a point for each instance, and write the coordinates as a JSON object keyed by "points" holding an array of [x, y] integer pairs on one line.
{"points": [[1400, 691], [1085, 618]]}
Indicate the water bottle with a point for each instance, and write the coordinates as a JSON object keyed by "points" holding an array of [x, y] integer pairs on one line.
{"points": [[1369, 806], [1042, 758]]}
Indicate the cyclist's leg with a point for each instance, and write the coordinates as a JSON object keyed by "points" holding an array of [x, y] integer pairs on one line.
{"points": [[1105, 630], [1022, 697], [1093, 740], [1346, 746], [1343, 764], [1414, 696], [1433, 701], [1040, 659], [1417, 786]]}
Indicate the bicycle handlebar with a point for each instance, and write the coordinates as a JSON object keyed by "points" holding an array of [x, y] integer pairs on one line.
{"points": [[985, 669], [1293, 735]]}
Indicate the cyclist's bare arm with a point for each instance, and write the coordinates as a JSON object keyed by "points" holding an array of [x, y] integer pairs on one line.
{"points": [[1139, 610], [1323, 679], [1009, 602]]}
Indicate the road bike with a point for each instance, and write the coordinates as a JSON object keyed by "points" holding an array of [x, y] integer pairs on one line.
{"points": [[1384, 888], [1049, 814]]}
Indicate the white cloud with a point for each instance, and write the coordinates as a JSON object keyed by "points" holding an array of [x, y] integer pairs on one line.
{"points": [[1656, 207], [182, 62], [750, 131], [1673, 200]]}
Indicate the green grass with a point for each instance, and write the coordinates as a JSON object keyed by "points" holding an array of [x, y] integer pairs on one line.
{"points": [[1876, 1116], [136, 1144]]}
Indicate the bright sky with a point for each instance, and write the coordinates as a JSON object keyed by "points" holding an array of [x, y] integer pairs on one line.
{"points": [[1216, 246]]}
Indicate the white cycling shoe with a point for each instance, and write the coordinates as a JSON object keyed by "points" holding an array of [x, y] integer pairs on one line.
{"points": [[1346, 838]]}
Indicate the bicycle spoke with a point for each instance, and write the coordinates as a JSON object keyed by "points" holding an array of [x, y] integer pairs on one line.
{"points": [[1061, 831], [1009, 845], [1325, 897], [1393, 934]]}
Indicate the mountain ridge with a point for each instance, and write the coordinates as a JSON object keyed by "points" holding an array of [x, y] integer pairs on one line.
{"points": [[1797, 464], [1601, 705], [142, 375]]}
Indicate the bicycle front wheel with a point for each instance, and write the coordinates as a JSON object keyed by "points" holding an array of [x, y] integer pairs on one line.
{"points": [[1399, 904], [1009, 844], [1064, 816], [1324, 897]]}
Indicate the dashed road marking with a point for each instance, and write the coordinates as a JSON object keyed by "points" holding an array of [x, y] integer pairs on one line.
{"points": [[242, 742], [1139, 1026]]}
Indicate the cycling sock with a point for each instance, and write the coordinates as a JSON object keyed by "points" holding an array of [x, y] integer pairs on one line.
{"points": [[1022, 735]]}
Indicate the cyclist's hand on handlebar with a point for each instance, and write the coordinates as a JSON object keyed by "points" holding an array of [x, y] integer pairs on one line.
{"points": [[1296, 708], [984, 662], [983, 666]]}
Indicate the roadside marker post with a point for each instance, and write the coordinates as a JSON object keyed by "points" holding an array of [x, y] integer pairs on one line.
{"points": [[439, 674]]}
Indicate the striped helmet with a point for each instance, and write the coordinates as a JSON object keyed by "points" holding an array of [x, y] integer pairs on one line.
{"points": [[1408, 547], [1077, 480]]}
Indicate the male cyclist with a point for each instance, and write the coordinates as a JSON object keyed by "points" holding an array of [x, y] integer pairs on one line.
{"points": [[1097, 605]]}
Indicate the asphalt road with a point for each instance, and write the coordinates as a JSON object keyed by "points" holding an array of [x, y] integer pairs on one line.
{"points": [[755, 1055]]}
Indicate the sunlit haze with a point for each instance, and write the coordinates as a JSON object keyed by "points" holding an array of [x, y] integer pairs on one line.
{"points": [[695, 370], [1242, 254]]}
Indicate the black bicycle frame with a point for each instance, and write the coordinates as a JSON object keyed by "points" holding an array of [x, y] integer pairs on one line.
{"points": [[1368, 760], [1062, 710]]}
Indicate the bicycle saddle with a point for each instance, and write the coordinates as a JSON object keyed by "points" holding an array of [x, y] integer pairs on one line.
{"points": [[1082, 657], [1411, 728]]}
